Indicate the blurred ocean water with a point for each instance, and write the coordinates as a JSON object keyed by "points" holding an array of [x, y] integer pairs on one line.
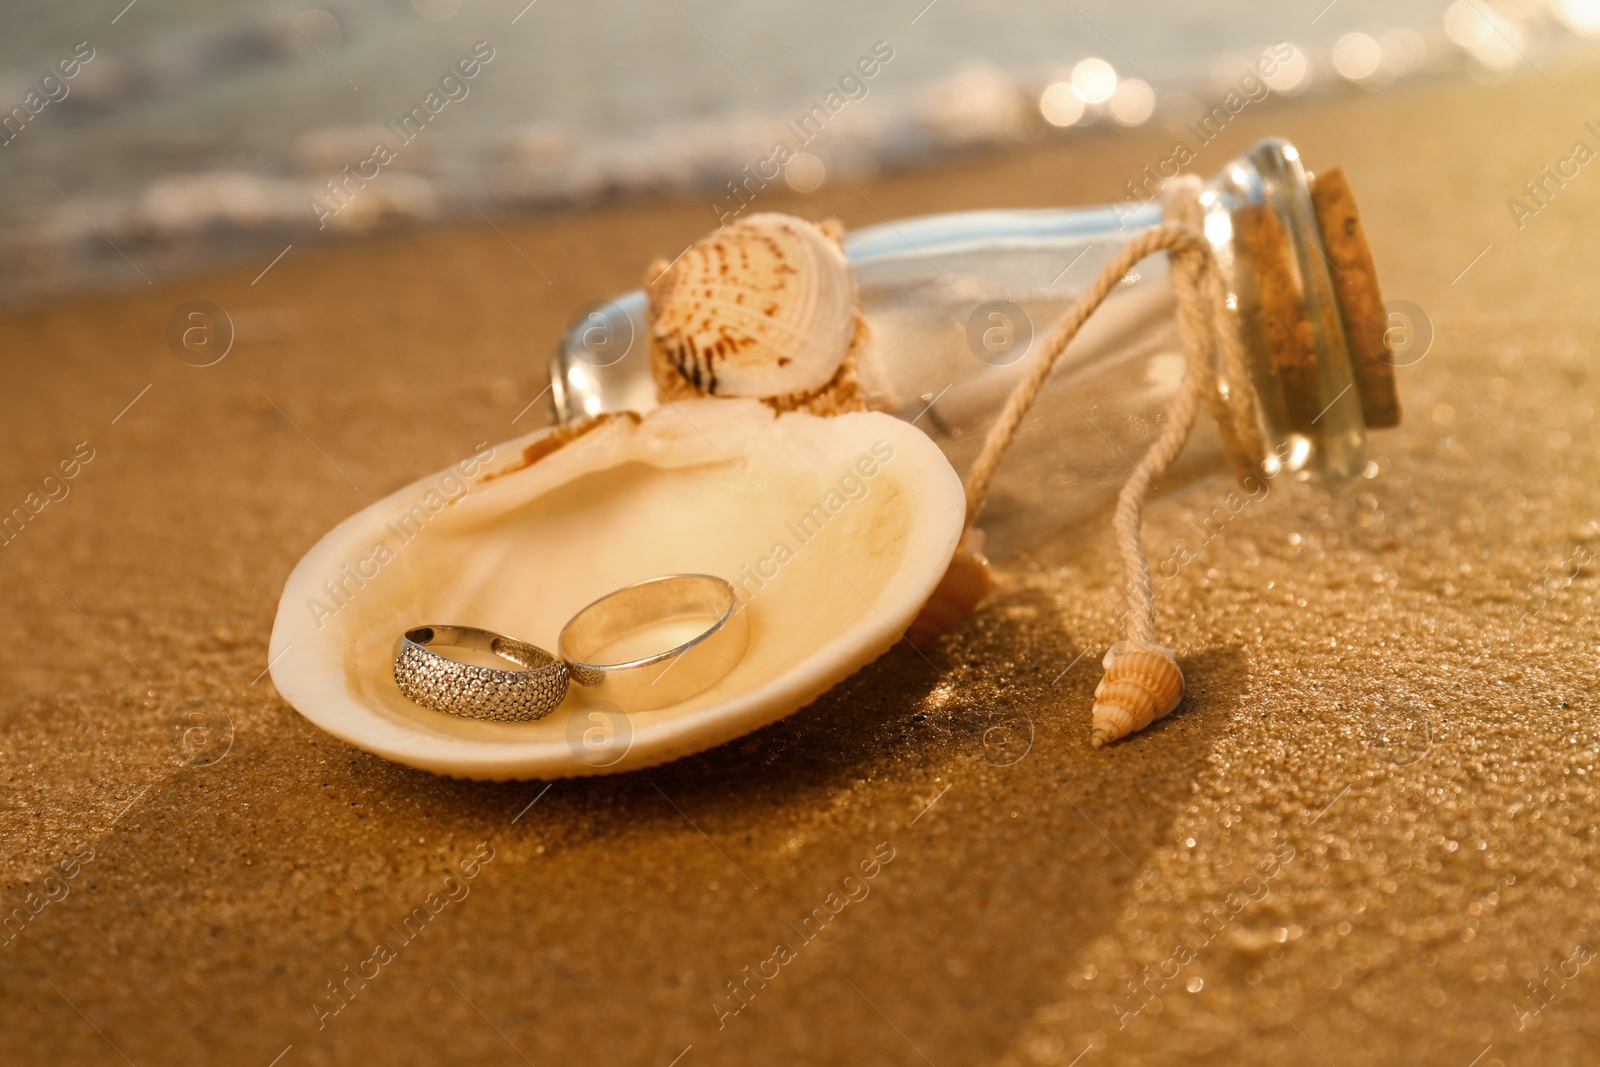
{"points": [[144, 135]]}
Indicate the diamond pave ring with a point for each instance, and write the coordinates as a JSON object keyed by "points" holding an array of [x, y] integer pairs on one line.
{"points": [[530, 691]]}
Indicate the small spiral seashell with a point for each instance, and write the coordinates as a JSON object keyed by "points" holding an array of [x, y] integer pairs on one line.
{"points": [[964, 584], [1141, 684], [764, 307]]}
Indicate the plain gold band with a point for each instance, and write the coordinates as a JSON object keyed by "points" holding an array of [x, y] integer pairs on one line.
{"points": [[666, 677]]}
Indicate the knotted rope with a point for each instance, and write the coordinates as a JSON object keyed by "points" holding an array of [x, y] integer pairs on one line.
{"points": [[1204, 332]]}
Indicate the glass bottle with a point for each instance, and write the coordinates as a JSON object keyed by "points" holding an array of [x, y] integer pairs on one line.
{"points": [[957, 302]]}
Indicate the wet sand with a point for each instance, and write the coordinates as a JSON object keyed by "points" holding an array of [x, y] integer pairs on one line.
{"points": [[1365, 836]]}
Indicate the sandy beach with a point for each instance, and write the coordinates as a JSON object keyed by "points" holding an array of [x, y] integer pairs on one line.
{"points": [[1368, 836]]}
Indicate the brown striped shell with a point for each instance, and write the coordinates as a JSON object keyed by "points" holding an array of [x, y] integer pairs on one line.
{"points": [[763, 307], [1141, 684]]}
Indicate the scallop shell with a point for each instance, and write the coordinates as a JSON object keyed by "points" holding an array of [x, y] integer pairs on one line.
{"points": [[764, 307], [516, 540], [1141, 684]]}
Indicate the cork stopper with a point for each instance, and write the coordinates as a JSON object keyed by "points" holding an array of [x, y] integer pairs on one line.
{"points": [[1282, 319], [1355, 287], [1278, 312]]}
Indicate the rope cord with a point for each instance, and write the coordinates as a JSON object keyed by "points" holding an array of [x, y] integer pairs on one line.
{"points": [[1203, 330]]}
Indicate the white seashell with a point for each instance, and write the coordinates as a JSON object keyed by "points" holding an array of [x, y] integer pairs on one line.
{"points": [[764, 307], [1141, 684], [867, 508]]}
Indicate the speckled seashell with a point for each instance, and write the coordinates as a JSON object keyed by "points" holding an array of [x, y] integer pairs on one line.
{"points": [[764, 307], [962, 588], [1141, 684]]}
